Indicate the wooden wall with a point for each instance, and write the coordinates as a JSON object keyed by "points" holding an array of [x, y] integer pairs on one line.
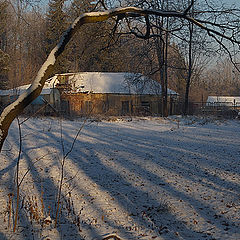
{"points": [[112, 104]]}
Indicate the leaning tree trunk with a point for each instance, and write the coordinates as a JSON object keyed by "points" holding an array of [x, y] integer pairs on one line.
{"points": [[190, 68], [17, 107]]}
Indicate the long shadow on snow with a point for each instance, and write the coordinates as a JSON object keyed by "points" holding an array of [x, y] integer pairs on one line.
{"points": [[47, 183], [121, 190], [110, 141], [91, 166], [168, 187], [170, 146], [50, 191]]}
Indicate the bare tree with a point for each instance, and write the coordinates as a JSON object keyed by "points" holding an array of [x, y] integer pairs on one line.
{"points": [[158, 30], [14, 109], [4, 57], [195, 48], [222, 79], [25, 31], [195, 43]]}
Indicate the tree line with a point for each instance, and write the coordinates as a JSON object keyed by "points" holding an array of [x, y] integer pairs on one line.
{"points": [[158, 23], [181, 56]]}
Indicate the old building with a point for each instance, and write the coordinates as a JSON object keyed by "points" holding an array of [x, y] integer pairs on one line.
{"points": [[111, 94]]}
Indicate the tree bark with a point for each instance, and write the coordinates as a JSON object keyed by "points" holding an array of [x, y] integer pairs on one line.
{"points": [[190, 69], [16, 108]]}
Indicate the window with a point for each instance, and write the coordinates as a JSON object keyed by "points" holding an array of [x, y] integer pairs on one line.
{"points": [[145, 104]]}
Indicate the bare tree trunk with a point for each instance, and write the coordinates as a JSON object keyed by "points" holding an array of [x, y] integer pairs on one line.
{"points": [[16, 108], [166, 72], [160, 54], [190, 68], [160, 49], [163, 63], [186, 100]]}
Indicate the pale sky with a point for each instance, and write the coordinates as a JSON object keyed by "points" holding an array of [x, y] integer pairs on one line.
{"points": [[237, 2]]}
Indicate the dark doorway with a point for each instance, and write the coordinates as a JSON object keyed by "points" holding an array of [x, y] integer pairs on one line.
{"points": [[125, 107]]}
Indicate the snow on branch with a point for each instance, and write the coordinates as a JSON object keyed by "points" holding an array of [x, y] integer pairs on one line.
{"points": [[14, 109]]}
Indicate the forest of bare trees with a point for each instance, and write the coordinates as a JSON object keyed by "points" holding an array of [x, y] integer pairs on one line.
{"points": [[172, 56], [189, 46]]}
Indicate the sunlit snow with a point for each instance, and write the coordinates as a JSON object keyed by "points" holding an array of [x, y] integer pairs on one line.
{"points": [[141, 178]]}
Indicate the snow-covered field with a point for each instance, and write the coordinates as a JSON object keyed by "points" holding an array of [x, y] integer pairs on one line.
{"points": [[140, 179]]}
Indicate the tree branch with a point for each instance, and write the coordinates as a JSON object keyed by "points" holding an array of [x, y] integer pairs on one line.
{"points": [[16, 108], [226, 49], [188, 8]]}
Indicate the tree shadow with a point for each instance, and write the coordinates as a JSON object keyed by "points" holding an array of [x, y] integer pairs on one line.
{"points": [[126, 166]]}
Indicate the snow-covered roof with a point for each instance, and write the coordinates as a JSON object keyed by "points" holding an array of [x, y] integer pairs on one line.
{"points": [[223, 100], [49, 84], [108, 82]]}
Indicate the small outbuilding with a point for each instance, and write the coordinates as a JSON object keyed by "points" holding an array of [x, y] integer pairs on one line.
{"points": [[223, 101], [48, 101], [222, 106]]}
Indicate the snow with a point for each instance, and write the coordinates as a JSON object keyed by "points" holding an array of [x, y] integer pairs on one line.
{"points": [[99, 82], [106, 14], [50, 61], [115, 82], [47, 88], [141, 178]]}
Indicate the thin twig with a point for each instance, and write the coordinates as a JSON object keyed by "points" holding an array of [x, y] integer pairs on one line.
{"points": [[26, 119], [63, 163], [25, 174]]}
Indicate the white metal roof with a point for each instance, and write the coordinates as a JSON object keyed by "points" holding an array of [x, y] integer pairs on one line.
{"points": [[223, 100]]}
